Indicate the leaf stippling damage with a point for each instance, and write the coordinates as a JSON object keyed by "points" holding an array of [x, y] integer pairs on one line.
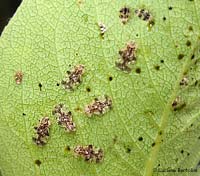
{"points": [[18, 77], [98, 106], [64, 117], [127, 56], [73, 78], [124, 14], [89, 153], [42, 131]]}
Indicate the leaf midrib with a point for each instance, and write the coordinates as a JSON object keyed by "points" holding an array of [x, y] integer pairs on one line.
{"points": [[164, 120]]}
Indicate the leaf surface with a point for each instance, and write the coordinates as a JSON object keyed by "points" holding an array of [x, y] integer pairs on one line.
{"points": [[142, 132]]}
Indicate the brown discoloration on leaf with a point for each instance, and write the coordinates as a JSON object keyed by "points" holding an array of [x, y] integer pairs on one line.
{"points": [[181, 56], [18, 77], [188, 43], [145, 15], [38, 162], [157, 67], [138, 70], [178, 104], [64, 117], [42, 131], [127, 56], [73, 78], [78, 109], [98, 106], [40, 86], [176, 101], [102, 28], [110, 78], [184, 81], [89, 153], [67, 148], [124, 14], [153, 144], [79, 2]]}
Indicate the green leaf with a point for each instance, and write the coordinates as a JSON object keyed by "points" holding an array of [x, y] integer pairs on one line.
{"points": [[142, 132]]}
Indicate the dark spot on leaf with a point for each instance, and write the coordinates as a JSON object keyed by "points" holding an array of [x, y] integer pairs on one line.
{"points": [[128, 150], [151, 24], [38, 162], [138, 70], [179, 107], [190, 28], [88, 89], [137, 35], [153, 144], [199, 137], [149, 112], [80, 2], [180, 56], [67, 148], [140, 139], [176, 102], [160, 132], [182, 151], [114, 139], [192, 57], [157, 67], [188, 154], [23, 114], [159, 165], [162, 61], [57, 84], [40, 86], [170, 7], [101, 36], [110, 78], [188, 43], [78, 109], [164, 18], [196, 82]]}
